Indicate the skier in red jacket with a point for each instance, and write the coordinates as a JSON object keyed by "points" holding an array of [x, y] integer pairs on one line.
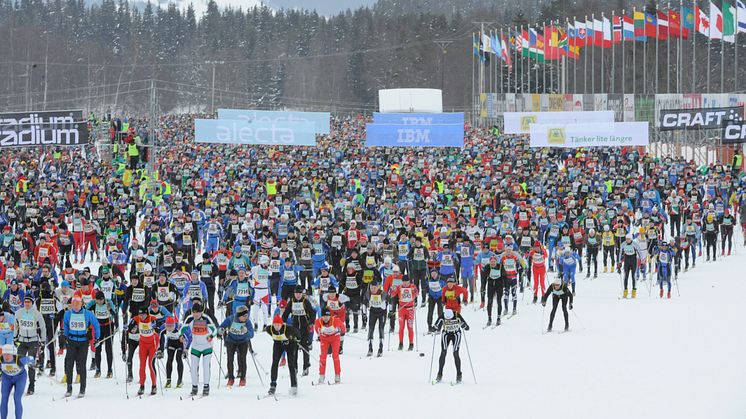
{"points": [[453, 294], [407, 294], [330, 330]]}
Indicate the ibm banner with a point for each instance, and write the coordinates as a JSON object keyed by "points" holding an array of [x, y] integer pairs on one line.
{"points": [[613, 134], [419, 118], [408, 135], [242, 132], [520, 122], [706, 118], [321, 120], [53, 128]]}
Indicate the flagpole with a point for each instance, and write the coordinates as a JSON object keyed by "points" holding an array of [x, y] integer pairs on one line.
{"points": [[668, 50], [678, 47], [735, 52], [623, 74], [524, 87], [544, 67], [472, 72], [613, 52], [585, 58], [593, 57], [695, 9], [634, 53], [709, 32], [722, 53], [601, 50], [501, 67], [657, 38], [645, 61], [575, 62]]}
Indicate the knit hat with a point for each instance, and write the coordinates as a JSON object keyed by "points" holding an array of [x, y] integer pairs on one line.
{"points": [[277, 319], [171, 321]]}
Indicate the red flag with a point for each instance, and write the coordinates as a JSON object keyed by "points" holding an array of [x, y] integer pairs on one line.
{"points": [[662, 25]]}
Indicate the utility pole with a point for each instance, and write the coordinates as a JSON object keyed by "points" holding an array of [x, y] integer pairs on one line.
{"points": [[212, 100], [443, 44]]}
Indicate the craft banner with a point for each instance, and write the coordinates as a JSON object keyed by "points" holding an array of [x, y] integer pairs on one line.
{"points": [[419, 118], [400, 135], [734, 133], [242, 132], [610, 134], [321, 120], [52, 128], [709, 118], [519, 122]]}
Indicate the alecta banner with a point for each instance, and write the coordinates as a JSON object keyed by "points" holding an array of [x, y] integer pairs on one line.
{"points": [[613, 134], [242, 132], [520, 122], [321, 120], [419, 118], [53, 128], [401, 135], [707, 118]]}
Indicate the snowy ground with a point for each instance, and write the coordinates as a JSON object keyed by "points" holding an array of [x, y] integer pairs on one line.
{"points": [[642, 358]]}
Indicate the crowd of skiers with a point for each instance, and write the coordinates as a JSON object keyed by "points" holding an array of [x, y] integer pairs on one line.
{"points": [[206, 242]]}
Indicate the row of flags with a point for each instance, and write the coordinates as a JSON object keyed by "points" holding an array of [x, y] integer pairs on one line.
{"points": [[554, 41]]}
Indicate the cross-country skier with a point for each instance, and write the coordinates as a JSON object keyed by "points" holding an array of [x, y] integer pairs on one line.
{"points": [[329, 329], [14, 378], [30, 333], [303, 315], [201, 330], [559, 291], [75, 325], [237, 331], [450, 324], [286, 339]]}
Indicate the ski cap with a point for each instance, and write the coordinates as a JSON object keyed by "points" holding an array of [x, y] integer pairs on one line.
{"points": [[277, 319], [557, 281], [448, 313], [9, 349], [171, 321]]}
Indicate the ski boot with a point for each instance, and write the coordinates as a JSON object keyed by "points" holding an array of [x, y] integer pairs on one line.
{"points": [[605, 269], [69, 392], [411, 347], [438, 378], [458, 377], [230, 382], [92, 367], [370, 350], [97, 374], [549, 329], [354, 330], [595, 275], [30, 391], [168, 383], [588, 275], [489, 322], [293, 392], [194, 391], [661, 293], [153, 390], [109, 374], [52, 372], [179, 384], [401, 346], [567, 327], [321, 380], [81, 394], [498, 321], [141, 390], [514, 311], [303, 374], [624, 295], [206, 390], [669, 295], [634, 293], [380, 351], [337, 379], [341, 347], [271, 390], [242, 382], [535, 299]]}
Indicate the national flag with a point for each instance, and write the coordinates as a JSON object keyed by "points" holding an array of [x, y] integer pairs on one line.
{"points": [[525, 42], [607, 33], [675, 29], [535, 46], [617, 29], [687, 18], [729, 22], [486, 43], [589, 35], [506, 53], [716, 22], [639, 26], [651, 24], [662, 25], [628, 28], [572, 34], [474, 45], [741, 13], [701, 21], [495, 44], [551, 52], [580, 34], [598, 33]]}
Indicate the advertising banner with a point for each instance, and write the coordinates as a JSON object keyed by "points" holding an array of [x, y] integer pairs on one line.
{"points": [[49, 128], [418, 118], [242, 132], [629, 107], [734, 132], [321, 120], [703, 118], [519, 122], [405, 135], [610, 134]]}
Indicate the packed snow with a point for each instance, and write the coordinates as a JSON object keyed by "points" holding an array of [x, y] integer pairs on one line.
{"points": [[642, 358]]}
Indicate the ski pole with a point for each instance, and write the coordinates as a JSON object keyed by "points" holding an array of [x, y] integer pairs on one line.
{"points": [[259, 363], [220, 355], [432, 358], [543, 310], [676, 281], [578, 319], [256, 367], [161, 371], [416, 333], [466, 342]]}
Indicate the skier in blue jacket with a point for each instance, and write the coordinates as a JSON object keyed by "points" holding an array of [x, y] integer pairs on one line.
{"points": [[14, 378], [237, 331]]}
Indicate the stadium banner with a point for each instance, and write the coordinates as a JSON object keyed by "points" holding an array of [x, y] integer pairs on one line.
{"points": [[734, 132], [322, 120], [604, 134], [519, 122], [629, 107], [48, 128], [242, 132], [418, 118], [406, 135], [702, 118]]}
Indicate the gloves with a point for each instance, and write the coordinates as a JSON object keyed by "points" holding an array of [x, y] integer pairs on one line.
{"points": [[221, 303], [570, 306], [159, 354], [124, 356], [466, 327], [220, 332], [543, 303], [96, 343]]}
